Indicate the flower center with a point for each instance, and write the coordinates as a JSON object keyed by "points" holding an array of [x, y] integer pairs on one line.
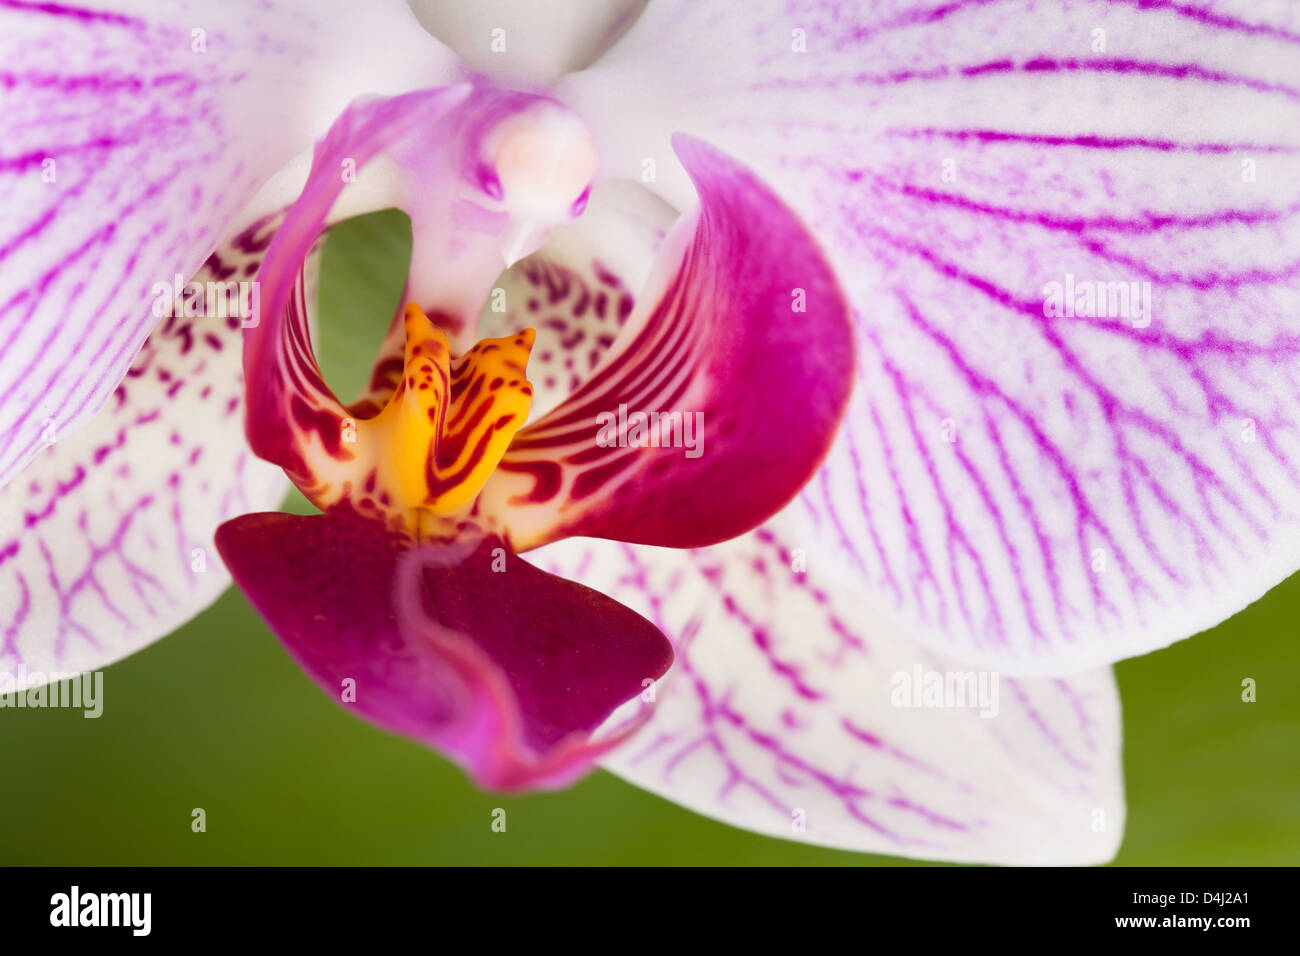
{"points": [[443, 432]]}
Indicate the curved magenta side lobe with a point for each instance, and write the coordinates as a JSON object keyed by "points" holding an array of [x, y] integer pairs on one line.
{"points": [[746, 340], [502, 667], [285, 387]]}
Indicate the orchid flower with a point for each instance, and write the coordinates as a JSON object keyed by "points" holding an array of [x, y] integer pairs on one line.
{"points": [[878, 248]]}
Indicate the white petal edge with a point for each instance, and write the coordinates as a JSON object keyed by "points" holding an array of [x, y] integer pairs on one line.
{"points": [[784, 715]]}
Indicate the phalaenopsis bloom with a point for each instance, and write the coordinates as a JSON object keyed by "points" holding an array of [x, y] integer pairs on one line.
{"points": [[792, 407]]}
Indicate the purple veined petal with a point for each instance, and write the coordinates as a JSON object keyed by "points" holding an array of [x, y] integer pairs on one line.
{"points": [[1030, 487], [467, 649], [791, 712], [133, 133], [718, 400], [528, 41], [106, 539], [451, 160]]}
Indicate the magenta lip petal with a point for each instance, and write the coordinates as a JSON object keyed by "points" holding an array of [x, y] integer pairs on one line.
{"points": [[507, 672], [751, 335]]}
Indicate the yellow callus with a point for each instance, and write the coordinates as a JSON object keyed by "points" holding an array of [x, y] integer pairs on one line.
{"points": [[443, 433]]}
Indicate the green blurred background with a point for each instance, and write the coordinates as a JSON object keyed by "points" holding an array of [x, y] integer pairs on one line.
{"points": [[217, 716]]}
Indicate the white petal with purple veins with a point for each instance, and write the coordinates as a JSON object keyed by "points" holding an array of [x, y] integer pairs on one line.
{"points": [[131, 134], [1028, 484], [106, 538], [791, 712]]}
